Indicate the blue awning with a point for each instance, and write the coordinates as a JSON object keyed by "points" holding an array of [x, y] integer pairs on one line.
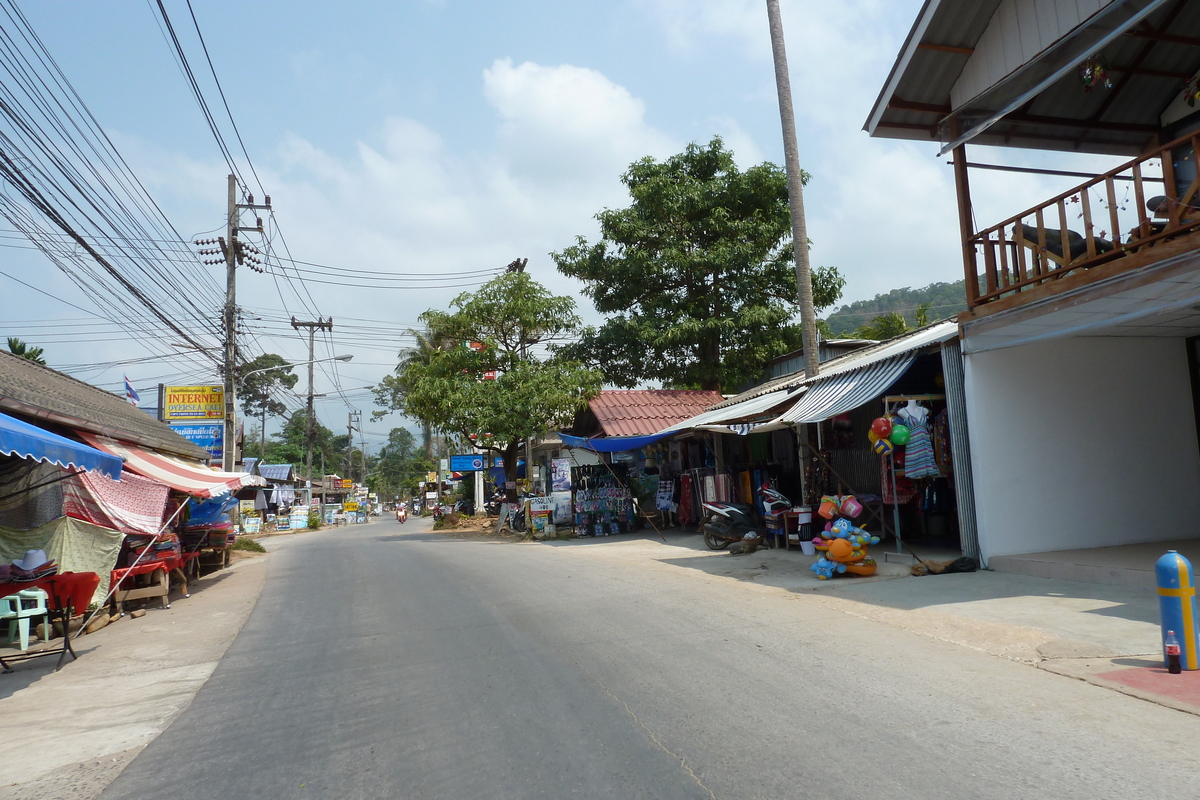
{"points": [[612, 444], [18, 438]]}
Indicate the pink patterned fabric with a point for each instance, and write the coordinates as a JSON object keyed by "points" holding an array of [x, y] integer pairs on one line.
{"points": [[131, 505]]}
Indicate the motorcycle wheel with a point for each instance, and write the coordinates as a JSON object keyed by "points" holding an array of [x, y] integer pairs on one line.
{"points": [[715, 542]]}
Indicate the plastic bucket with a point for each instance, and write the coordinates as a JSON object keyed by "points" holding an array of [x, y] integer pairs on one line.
{"points": [[803, 515], [808, 548]]}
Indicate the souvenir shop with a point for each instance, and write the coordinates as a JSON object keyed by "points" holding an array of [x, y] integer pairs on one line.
{"points": [[895, 454]]}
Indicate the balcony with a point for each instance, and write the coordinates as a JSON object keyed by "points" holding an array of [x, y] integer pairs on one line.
{"points": [[1139, 214]]}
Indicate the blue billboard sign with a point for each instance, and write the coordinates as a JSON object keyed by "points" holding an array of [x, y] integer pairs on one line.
{"points": [[210, 437], [466, 463]]}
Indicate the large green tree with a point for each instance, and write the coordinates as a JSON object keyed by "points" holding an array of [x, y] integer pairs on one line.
{"points": [[257, 391], [400, 466], [489, 384], [696, 274]]}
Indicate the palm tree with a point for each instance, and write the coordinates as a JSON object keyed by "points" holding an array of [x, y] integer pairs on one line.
{"points": [[791, 161], [427, 342], [22, 350]]}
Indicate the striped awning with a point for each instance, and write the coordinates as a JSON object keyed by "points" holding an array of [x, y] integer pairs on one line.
{"points": [[844, 391], [185, 476]]}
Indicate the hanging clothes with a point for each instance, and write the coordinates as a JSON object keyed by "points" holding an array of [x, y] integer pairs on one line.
{"points": [[918, 453], [906, 490], [685, 499]]}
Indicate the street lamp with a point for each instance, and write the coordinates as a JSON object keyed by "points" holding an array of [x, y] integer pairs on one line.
{"points": [[308, 422]]}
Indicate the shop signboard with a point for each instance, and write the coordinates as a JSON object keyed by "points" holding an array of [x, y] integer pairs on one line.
{"points": [[347, 483], [283, 523], [560, 475], [193, 403], [562, 508], [251, 525], [350, 506], [431, 497], [205, 435], [468, 463], [299, 518], [541, 505]]}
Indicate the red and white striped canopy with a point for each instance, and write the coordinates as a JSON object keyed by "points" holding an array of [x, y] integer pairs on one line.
{"points": [[186, 476]]}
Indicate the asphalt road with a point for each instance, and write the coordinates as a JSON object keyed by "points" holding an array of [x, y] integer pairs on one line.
{"points": [[383, 661]]}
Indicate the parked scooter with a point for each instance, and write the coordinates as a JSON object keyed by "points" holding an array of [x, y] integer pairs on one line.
{"points": [[726, 523], [492, 506]]}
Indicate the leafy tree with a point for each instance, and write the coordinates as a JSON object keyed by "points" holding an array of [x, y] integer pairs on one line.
{"points": [[696, 274], [255, 391], [486, 382], [426, 343], [19, 348], [401, 464], [289, 445], [885, 326]]}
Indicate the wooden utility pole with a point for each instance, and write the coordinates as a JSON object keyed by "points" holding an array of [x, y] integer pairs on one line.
{"points": [[325, 325], [791, 158]]}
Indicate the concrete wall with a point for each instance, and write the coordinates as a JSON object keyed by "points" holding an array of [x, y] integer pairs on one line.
{"points": [[1019, 30], [1083, 442]]}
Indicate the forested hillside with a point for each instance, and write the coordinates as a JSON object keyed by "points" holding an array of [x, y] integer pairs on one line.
{"points": [[944, 299]]}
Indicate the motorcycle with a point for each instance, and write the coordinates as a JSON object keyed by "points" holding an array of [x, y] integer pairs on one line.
{"points": [[492, 507], [401, 514], [465, 507], [726, 523]]}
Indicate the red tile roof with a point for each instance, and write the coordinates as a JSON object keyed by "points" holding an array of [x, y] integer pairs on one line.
{"points": [[638, 412]]}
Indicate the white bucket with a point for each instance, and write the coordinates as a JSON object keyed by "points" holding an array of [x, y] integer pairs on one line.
{"points": [[808, 548]]}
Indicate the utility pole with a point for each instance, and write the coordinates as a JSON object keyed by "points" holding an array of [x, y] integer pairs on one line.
{"points": [[353, 423], [791, 159], [325, 325], [233, 252]]}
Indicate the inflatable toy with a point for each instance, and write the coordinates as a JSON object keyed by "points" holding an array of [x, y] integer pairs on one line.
{"points": [[881, 427], [900, 435]]}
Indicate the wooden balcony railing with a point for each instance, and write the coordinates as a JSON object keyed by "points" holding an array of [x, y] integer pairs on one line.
{"points": [[1108, 218]]}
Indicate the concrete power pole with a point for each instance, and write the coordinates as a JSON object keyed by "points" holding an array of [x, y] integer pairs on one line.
{"points": [[325, 325], [791, 157], [234, 253]]}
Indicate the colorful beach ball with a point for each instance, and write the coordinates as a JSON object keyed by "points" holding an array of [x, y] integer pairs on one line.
{"points": [[900, 435], [883, 447]]}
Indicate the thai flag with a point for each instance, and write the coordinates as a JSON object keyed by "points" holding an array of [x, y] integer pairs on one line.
{"points": [[131, 394]]}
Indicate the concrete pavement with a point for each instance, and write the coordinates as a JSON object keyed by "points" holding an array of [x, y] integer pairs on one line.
{"points": [[81, 726]]}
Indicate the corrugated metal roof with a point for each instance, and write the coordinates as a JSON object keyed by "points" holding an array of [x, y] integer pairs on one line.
{"points": [[765, 397], [916, 95], [32, 390], [272, 472], [639, 412]]}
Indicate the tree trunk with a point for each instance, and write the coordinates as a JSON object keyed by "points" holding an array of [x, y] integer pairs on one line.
{"points": [[511, 453], [791, 160]]}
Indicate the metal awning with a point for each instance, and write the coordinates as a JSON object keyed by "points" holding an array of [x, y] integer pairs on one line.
{"points": [[21, 439], [737, 411], [847, 390], [185, 476]]}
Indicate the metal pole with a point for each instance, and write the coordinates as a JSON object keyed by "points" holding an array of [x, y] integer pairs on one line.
{"points": [[791, 159]]}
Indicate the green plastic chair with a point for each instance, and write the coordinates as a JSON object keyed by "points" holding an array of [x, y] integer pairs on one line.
{"points": [[20, 608]]}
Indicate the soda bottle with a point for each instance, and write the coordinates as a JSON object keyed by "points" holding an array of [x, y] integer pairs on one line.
{"points": [[1171, 645]]}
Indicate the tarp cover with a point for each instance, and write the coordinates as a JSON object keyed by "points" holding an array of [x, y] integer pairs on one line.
{"points": [[185, 476], [611, 444], [131, 505], [19, 438], [77, 546]]}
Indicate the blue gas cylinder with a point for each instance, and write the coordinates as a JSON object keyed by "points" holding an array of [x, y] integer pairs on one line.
{"points": [[1177, 606]]}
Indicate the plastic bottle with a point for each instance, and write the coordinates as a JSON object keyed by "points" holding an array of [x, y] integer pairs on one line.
{"points": [[1171, 645]]}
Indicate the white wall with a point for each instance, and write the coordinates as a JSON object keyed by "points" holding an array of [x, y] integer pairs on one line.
{"points": [[1083, 442], [1019, 30]]}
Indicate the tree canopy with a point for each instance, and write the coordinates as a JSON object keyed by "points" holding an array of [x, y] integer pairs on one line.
{"points": [[696, 274], [256, 391], [489, 383], [25, 351]]}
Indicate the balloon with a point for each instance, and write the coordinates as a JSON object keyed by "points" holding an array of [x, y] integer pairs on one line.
{"points": [[883, 447], [900, 435], [872, 436], [882, 427]]}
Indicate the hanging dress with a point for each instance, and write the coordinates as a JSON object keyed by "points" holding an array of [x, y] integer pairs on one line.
{"points": [[918, 453]]}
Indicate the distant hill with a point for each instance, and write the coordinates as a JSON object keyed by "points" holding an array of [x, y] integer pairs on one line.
{"points": [[945, 299]]}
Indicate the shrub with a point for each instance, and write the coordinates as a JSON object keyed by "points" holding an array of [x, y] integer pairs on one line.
{"points": [[314, 520], [248, 544]]}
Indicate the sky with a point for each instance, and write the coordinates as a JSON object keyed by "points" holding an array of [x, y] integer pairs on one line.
{"points": [[434, 139]]}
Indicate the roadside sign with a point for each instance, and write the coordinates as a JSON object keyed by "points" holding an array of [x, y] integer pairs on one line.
{"points": [[193, 403], [467, 463], [350, 506], [347, 483], [208, 436]]}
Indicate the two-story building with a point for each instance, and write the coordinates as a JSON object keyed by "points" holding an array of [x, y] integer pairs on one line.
{"points": [[1081, 342]]}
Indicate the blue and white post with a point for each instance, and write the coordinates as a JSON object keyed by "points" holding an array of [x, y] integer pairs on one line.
{"points": [[1177, 606]]}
